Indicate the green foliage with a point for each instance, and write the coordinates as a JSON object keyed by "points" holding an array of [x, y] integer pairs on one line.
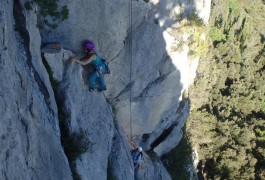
{"points": [[75, 144], [227, 123], [109, 173], [195, 20], [197, 45], [233, 5], [261, 134], [179, 159], [64, 13], [217, 35], [28, 5], [50, 15]]}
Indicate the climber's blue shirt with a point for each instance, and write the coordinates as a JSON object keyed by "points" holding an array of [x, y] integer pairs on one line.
{"points": [[136, 156], [97, 61]]}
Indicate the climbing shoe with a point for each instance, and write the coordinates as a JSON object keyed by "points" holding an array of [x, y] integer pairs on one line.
{"points": [[91, 89], [101, 89]]}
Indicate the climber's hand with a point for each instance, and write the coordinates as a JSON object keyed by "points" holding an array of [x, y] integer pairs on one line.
{"points": [[72, 58]]}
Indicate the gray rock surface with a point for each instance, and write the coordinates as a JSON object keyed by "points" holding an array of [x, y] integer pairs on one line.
{"points": [[203, 9], [176, 134], [120, 163], [56, 62], [159, 73], [29, 128], [87, 111], [151, 169], [156, 80], [105, 22], [30, 142]]}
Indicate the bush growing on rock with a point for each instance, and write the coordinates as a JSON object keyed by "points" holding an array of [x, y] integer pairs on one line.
{"points": [[49, 13]]}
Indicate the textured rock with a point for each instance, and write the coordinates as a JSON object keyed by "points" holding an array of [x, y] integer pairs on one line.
{"points": [[151, 169], [176, 134], [160, 74], [105, 22], [120, 157], [56, 63], [33, 40], [30, 142], [203, 9], [87, 111], [29, 130]]}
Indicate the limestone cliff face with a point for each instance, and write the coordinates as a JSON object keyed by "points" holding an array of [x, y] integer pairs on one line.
{"points": [[29, 130], [160, 74], [87, 111]]}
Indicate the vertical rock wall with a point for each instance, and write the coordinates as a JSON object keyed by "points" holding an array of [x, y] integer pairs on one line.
{"points": [[160, 74], [29, 129], [29, 132]]}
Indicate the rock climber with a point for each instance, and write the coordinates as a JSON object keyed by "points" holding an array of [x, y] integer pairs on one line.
{"points": [[137, 156], [95, 78]]}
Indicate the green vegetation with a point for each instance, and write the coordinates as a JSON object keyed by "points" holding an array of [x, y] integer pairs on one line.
{"points": [[49, 14], [233, 6], [109, 173], [197, 45], [227, 121], [217, 35], [74, 145], [195, 20], [193, 27], [179, 159]]}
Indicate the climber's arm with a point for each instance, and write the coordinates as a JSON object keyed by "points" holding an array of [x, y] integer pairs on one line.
{"points": [[86, 61]]}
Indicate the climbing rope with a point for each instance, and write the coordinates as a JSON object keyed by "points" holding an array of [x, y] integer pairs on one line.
{"points": [[118, 131], [131, 142], [130, 59], [130, 92]]}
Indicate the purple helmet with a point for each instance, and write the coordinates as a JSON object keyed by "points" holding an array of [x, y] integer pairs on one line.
{"points": [[88, 45]]}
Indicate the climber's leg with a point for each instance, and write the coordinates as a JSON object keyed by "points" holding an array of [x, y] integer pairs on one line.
{"points": [[101, 83], [92, 78]]}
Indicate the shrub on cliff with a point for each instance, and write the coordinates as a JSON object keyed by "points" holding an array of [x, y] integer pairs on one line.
{"points": [[49, 13]]}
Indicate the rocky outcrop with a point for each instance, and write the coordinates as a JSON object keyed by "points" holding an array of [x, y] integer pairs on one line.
{"points": [[105, 22], [120, 164], [159, 73], [86, 111], [29, 131], [173, 133], [91, 113], [145, 87], [147, 98], [152, 169]]}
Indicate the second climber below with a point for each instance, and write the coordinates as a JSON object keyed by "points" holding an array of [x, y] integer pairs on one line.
{"points": [[137, 156], [95, 78]]}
